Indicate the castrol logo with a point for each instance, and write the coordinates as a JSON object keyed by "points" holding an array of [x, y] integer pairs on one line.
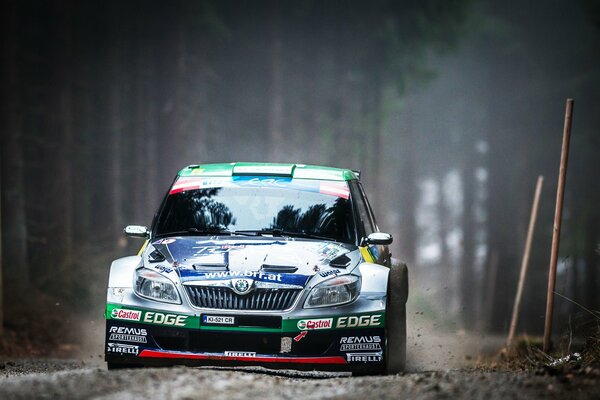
{"points": [[130, 315], [309, 324]]}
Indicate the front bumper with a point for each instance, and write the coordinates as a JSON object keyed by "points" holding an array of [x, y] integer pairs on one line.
{"points": [[345, 338]]}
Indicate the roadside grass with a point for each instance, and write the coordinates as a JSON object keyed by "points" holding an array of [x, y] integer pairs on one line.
{"points": [[526, 354], [591, 350]]}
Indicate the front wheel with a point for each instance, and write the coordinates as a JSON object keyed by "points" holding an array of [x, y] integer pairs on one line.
{"points": [[395, 319]]}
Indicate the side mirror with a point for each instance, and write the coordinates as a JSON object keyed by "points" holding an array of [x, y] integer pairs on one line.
{"points": [[378, 238], [137, 231]]}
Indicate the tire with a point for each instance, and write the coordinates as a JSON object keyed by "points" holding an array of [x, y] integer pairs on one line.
{"points": [[395, 319]]}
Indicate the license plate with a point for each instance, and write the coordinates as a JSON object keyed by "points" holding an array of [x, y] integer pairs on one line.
{"points": [[218, 320]]}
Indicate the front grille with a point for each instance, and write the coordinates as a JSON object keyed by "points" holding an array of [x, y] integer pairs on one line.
{"points": [[226, 299]]}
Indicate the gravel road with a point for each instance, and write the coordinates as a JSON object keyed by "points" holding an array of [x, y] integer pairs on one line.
{"points": [[50, 379], [440, 365]]}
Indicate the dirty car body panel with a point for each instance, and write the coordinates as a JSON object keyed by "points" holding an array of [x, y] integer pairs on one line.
{"points": [[254, 264]]}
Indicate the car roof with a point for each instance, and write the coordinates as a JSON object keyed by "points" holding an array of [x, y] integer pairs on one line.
{"points": [[298, 171]]}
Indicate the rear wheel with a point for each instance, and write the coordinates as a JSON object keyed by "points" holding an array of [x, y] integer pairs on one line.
{"points": [[395, 319]]}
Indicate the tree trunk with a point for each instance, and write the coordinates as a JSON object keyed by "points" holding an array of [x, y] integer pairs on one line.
{"points": [[407, 188], [592, 264], [375, 113], [1, 265], [467, 271], [275, 111], [446, 267], [14, 228], [116, 146], [138, 184], [63, 76]]}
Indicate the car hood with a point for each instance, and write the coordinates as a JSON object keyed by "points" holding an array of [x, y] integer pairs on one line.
{"points": [[282, 261]]}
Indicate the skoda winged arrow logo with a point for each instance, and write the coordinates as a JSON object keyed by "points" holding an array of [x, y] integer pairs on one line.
{"points": [[242, 286]]}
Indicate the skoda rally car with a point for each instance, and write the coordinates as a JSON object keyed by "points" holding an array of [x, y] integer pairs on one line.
{"points": [[274, 265]]}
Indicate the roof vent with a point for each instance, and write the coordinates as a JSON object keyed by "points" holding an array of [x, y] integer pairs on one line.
{"points": [[340, 262], [211, 267], [279, 268]]}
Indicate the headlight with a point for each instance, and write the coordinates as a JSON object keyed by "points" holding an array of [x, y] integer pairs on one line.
{"points": [[333, 292], [154, 286]]}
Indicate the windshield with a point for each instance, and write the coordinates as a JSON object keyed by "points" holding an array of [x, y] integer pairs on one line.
{"points": [[254, 204]]}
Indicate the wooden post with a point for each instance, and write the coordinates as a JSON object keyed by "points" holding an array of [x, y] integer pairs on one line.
{"points": [[525, 261], [560, 194], [490, 288]]}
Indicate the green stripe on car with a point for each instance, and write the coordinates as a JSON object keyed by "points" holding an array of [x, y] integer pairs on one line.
{"points": [[352, 321]]}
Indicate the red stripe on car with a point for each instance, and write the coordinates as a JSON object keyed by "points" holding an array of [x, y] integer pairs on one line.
{"points": [[334, 189], [293, 360], [185, 184]]}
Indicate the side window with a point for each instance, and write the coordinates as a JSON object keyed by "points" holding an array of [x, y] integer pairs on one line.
{"points": [[365, 224], [369, 209]]}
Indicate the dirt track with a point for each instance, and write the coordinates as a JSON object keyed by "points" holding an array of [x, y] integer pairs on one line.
{"points": [[450, 355], [73, 379]]}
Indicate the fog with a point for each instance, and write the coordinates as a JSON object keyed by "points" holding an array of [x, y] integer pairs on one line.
{"points": [[450, 109]]}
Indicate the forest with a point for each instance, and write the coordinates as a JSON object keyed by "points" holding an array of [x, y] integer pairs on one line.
{"points": [[451, 110]]}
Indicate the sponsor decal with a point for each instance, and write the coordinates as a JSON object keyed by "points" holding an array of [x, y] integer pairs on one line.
{"points": [[310, 324], [263, 169], [128, 330], [357, 343], [231, 246], [282, 183], [260, 275], [129, 315], [351, 321], [359, 321], [240, 354], [162, 268], [192, 183], [364, 357], [338, 189], [122, 348], [124, 334], [300, 336], [114, 311], [215, 249], [218, 319], [332, 272], [165, 319], [286, 344], [330, 251], [165, 241]]}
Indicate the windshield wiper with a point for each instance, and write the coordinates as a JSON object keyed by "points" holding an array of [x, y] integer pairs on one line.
{"points": [[210, 231], [206, 232], [284, 233]]}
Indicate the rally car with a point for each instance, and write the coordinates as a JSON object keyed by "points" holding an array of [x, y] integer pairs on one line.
{"points": [[273, 265]]}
